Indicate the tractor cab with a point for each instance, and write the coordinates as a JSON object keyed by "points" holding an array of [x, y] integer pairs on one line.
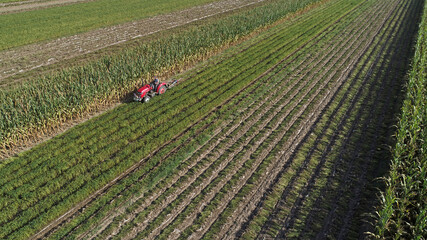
{"points": [[148, 91]]}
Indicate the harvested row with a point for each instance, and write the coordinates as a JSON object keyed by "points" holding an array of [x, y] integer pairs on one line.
{"points": [[243, 211], [342, 185], [312, 144]]}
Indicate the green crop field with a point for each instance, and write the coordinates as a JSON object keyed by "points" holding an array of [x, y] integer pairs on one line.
{"points": [[283, 135], [27, 27]]}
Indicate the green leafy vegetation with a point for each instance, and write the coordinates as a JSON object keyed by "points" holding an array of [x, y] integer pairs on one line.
{"points": [[403, 214]]}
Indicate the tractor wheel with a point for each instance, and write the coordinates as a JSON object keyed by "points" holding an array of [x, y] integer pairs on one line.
{"points": [[162, 90], [146, 99]]}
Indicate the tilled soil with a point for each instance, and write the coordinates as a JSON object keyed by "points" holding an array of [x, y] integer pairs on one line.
{"points": [[26, 58]]}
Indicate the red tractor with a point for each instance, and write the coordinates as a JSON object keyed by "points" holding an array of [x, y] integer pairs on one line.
{"points": [[145, 93]]}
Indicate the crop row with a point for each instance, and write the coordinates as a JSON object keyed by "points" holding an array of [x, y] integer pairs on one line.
{"points": [[403, 212], [53, 99], [104, 158], [185, 163], [286, 215]]}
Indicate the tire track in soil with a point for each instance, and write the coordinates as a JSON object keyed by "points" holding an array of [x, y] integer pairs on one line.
{"points": [[33, 56], [232, 219], [237, 229], [48, 229], [323, 156]]}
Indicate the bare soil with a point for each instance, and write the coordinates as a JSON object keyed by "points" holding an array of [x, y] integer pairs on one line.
{"points": [[22, 59]]}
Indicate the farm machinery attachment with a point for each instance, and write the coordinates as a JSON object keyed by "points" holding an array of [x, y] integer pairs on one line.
{"points": [[148, 91]]}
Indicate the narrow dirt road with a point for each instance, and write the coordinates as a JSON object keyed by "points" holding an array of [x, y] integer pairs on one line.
{"points": [[26, 58]]}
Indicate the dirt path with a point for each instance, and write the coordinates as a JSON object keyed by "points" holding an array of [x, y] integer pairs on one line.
{"points": [[14, 7], [26, 58]]}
